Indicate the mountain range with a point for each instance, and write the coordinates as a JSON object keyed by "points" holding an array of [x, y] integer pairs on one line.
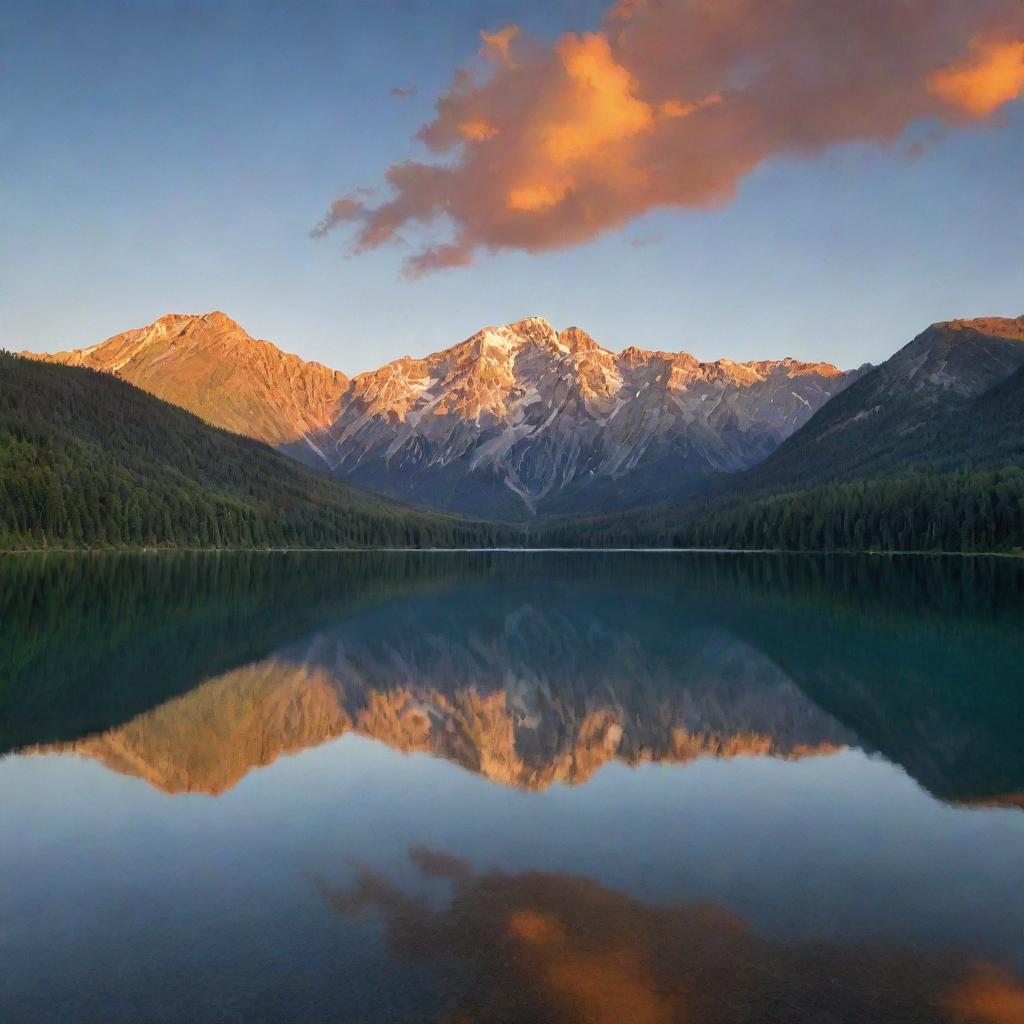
{"points": [[540, 437], [514, 421], [922, 452]]}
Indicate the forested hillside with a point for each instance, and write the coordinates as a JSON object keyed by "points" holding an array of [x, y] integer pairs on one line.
{"points": [[964, 511], [950, 400], [922, 453], [87, 460]]}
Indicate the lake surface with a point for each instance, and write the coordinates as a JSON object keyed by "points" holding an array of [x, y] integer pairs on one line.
{"points": [[481, 788]]}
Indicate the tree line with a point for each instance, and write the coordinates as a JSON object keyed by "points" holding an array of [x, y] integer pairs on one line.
{"points": [[89, 461], [960, 512]]}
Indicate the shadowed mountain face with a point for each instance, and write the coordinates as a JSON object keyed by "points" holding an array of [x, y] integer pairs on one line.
{"points": [[546, 948], [513, 421], [528, 670], [950, 399]]}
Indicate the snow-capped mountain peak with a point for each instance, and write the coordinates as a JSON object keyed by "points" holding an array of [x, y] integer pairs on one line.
{"points": [[515, 420]]}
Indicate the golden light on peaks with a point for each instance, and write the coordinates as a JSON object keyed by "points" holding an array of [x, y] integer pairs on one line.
{"points": [[982, 84]]}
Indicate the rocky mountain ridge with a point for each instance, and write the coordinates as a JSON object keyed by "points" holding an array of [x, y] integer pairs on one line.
{"points": [[526, 419], [211, 366], [514, 421], [944, 401]]}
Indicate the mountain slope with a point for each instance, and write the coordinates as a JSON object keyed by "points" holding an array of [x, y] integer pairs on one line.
{"points": [[87, 460], [514, 421], [925, 452], [212, 367], [523, 419], [992, 434], [927, 407]]}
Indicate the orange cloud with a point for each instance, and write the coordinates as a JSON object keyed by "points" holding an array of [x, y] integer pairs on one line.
{"points": [[498, 45], [675, 108], [625, 9], [538, 196], [989, 996], [560, 949], [477, 131], [599, 106], [348, 208], [982, 84], [672, 104], [591, 117]]}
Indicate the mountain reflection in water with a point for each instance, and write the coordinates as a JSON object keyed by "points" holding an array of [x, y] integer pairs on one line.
{"points": [[697, 789], [528, 669], [532, 696]]}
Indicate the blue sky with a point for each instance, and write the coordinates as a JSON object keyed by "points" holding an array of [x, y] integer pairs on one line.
{"points": [[161, 157]]}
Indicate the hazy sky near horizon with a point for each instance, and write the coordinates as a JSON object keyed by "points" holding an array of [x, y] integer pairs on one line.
{"points": [[163, 156]]}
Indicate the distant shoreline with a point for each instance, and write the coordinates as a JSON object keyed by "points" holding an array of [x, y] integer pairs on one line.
{"points": [[505, 551]]}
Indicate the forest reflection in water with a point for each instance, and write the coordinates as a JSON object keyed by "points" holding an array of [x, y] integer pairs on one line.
{"points": [[530, 669], [674, 788]]}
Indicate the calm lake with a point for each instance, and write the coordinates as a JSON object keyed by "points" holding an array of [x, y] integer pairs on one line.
{"points": [[475, 788]]}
